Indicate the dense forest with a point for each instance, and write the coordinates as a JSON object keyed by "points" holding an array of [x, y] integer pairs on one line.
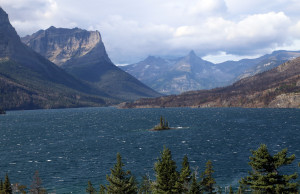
{"points": [[265, 177]]}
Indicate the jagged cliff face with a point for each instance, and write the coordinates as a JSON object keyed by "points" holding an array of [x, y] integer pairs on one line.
{"points": [[59, 45], [82, 54]]}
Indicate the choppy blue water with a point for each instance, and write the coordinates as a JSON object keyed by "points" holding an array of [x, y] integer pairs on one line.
{"points": [[71, 146]]}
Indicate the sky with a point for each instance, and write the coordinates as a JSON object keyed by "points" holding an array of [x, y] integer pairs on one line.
{"points": [[217, 30]]}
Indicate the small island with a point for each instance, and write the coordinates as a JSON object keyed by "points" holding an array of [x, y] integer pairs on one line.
{"points": [[162, 125]]}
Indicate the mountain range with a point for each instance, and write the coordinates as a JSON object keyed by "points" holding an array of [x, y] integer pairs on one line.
{"points": [[174, 76], [82, 54], [30, 81], [276, 88], [60, 68]]}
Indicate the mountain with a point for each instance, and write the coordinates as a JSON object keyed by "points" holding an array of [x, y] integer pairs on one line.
{"points": [[249, 67], [82, 54], [177, 75], [29, 81], [192, 73], [276, 88]]}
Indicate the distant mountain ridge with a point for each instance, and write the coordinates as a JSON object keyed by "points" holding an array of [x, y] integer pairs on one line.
{"points": [[275, 88], [82, 54], [193, 73]]}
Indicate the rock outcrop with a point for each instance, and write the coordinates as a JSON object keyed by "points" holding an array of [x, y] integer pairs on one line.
{"points": [[59, 45], [82, 54]]}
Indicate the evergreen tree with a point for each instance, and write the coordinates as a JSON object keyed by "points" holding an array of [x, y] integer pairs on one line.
{"points": [[265, 177], [7, 186], [1, 185], [208, 182], [90, 189], [194, 188], [166, 174], [242, 189], [184, 177], [102, 189], [166, 124], [230, 190], [120, 182], [145, 186], [161, 123]]}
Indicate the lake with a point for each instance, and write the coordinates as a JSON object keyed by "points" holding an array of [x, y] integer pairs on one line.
{"points": [[71, 146]]}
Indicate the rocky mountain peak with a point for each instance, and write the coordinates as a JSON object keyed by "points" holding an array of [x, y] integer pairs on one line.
{"points": [[3, 16], [9, 39], [192, 57], [152, 60], [192, 54], [60, 45]]}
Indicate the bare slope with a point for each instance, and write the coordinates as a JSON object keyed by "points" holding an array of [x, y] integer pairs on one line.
{"points": [[278, 87]]}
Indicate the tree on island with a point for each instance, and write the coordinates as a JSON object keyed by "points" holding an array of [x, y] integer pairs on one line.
{"points": [[163, 124], [265, 177], [121, 182]]}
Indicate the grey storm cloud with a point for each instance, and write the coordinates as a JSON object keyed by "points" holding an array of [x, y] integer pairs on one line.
{"points": [[134, 29]]}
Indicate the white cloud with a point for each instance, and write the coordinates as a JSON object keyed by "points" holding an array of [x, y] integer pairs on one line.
{"points": [[204, 7], [253, 32], [133, 29], [223, 56]]}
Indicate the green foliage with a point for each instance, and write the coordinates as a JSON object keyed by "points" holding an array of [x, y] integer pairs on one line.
{"points": [[7, 186], [120, 182], [265, 176], [145, 186], [1, 185], [264, 179], [208, 182], [185, 176], [195, 187], [242, 189], [102, 189], [166, 174], [230, 190], [90, 189], [163, 124]]}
